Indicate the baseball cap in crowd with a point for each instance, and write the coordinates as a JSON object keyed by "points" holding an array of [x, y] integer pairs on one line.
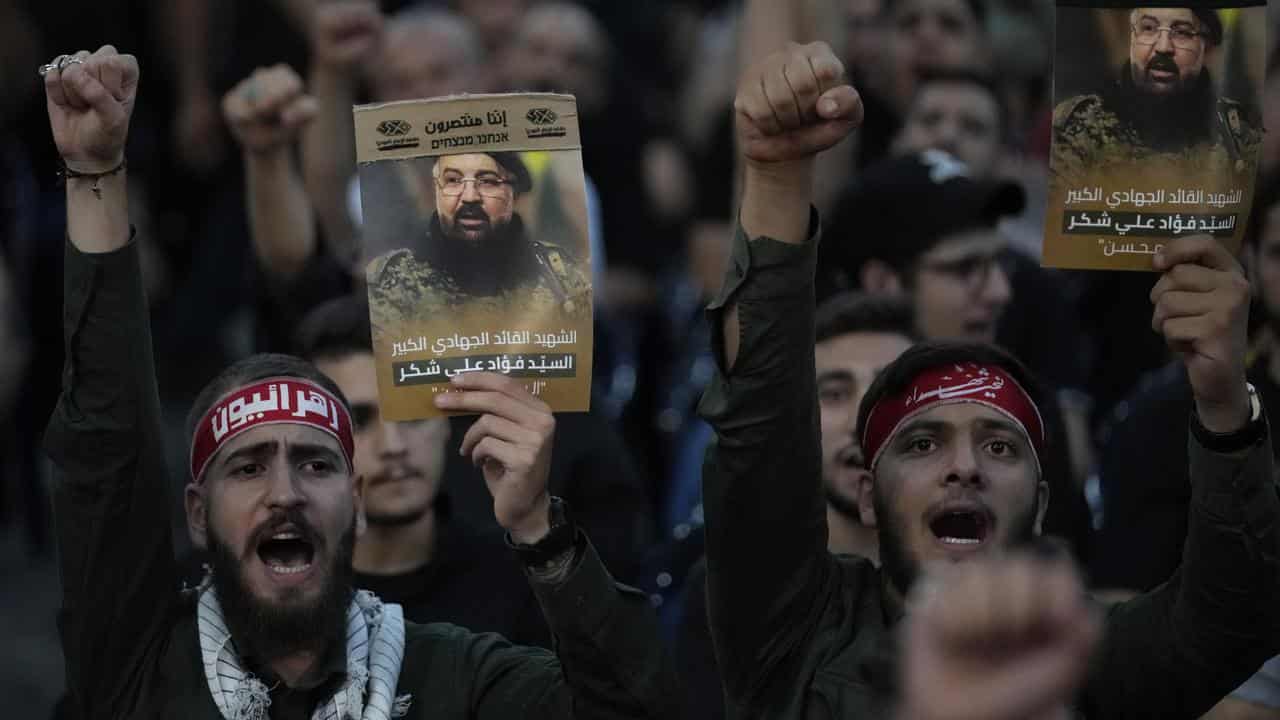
{"points": [[900, 208]]}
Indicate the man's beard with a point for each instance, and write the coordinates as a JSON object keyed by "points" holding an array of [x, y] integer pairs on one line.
{"points": [[487, 265], [1164, 63], [902, 569], [265, 631], [480, 236], [1172, 120], [397, 519]]}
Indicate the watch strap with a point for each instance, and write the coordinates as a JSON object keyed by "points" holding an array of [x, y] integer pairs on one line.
{"points": [[1236, 441], [562, 538]]}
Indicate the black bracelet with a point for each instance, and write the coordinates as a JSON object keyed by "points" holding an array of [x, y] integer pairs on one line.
{"points": [[562, 537], [66, 173]]}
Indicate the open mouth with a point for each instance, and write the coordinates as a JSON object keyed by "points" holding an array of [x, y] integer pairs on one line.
{"points": [[286, 552], [961, 528]]}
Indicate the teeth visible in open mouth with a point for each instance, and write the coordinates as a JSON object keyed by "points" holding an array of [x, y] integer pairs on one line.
{"points": [[960, 541], [286, 536], [288, 570]]}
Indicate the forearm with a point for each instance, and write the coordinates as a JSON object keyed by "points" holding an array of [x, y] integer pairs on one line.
{"points": [[1211, 626], [765, 518], [774, 205], [606, 637], [1226, 608], [110, 502], [329, 156], [98, 222], [280, 213], [768, 25], [187, 30]]}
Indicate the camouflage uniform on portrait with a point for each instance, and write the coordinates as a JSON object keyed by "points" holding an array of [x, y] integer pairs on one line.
{"points": [[476, 253], [1131, 119], [403, 286]]}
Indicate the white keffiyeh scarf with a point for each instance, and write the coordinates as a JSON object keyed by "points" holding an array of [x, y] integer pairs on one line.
{"points": [[375, 649]]}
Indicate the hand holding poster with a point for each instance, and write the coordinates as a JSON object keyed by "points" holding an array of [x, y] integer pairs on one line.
{"points": [[1156, 129], [476, 239]]}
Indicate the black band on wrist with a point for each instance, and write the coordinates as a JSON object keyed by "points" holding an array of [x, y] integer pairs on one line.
{"points": [[66, 173], [562, 538]]}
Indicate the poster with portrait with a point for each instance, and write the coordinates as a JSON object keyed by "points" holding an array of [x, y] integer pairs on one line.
{"points": [[476, 248], [1157, 129]]}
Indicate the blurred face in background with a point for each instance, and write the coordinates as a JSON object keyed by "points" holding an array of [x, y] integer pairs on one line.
{"points": [[422, 60], [931, 34], [402, 463], [846, 364], [961, 118], [561, 48], [864, 37], [497, 20], [960, 288]]}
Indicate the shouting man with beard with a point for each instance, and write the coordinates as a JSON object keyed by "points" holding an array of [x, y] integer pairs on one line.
{"points": [[954, 439], [1163, 100], [476, 249], [279, 632]]}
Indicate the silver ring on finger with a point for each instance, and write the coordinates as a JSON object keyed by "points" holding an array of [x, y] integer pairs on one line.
{"points": [[69, 60], [50, 67]]}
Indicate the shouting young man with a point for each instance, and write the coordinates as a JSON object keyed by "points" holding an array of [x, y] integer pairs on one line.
{"points": [[279, 631], [954, 440]]}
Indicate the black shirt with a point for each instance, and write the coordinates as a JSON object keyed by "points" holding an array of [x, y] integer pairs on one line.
{"points": [[1143, 477], [472, 581]]}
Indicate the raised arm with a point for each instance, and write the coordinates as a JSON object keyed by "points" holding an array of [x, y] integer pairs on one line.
{"points": [[1203, 633], [343, 36], [266, 111], [111, 504], [610, 661], [765, 523]]}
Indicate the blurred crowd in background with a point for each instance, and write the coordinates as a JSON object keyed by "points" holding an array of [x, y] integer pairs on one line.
{"points": [[654, 82]]}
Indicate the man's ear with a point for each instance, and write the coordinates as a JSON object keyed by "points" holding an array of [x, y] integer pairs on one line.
{"points": [[195, 499], [878, 278], [1042, 504], [357, 498], [866, 491]]}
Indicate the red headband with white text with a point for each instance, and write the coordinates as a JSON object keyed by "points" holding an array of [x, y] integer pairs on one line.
{"points": [[273, 401], [986, 385]]}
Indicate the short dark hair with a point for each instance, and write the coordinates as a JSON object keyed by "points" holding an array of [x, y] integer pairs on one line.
{"points": [[335, 330], [852, 312], [251, 369], [972, 77], [900, 373]]}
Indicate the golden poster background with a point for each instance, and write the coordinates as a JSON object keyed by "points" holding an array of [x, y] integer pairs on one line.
{"points": [[426, 326], [1138, 198]]}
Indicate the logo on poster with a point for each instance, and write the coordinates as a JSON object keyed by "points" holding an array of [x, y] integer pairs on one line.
{"points": [[393, 128], [546, 119], [541, 116], [396, 132]]}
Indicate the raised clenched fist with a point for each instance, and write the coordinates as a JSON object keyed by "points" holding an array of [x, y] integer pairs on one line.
{"points": [[794, 104], [90, 99], [1002, 638], [266, 110], [344, 34]]}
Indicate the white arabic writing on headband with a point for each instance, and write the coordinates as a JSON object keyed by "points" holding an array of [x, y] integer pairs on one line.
{"points": [[976, 385], [235, 414]]}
